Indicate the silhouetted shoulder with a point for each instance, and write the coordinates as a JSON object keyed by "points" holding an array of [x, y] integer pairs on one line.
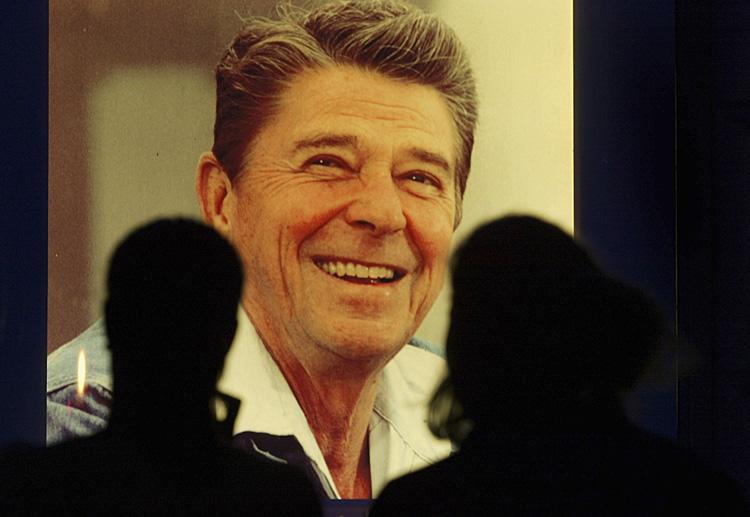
{"points": [[264, 485], [625, 473], [424, 492], [127, 479]]}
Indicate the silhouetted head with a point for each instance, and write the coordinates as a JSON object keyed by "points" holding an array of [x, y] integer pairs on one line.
{"points": [[538, 332], [173, 292]]}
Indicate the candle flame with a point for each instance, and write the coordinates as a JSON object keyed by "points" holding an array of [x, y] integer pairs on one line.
{"points": [[81, 384]]}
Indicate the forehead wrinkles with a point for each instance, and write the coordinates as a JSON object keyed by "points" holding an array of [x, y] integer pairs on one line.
{"points": [[378, 110]]}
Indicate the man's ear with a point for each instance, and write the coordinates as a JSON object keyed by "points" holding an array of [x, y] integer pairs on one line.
{"points": [[215, 193]]}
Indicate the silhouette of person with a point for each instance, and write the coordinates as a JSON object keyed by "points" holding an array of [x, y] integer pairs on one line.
{"points": [[173, 292], [541, 346]]}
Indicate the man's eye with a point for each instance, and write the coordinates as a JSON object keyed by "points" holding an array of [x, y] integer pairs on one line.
{"points": [[422, 178], [325, 161]]}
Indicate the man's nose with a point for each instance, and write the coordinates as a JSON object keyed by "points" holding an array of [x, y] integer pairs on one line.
{"points": [[377, 206]]}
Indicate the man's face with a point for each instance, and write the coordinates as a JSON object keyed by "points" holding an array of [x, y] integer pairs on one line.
{"points": [[343, 213]]}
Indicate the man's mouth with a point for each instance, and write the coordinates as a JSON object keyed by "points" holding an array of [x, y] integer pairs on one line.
{"points": [[360, 273]]}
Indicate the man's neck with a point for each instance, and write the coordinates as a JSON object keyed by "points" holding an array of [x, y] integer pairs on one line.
{"points": [[339, 415], [337, 397]]}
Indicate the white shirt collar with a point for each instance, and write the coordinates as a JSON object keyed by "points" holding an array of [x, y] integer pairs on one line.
{"points": [[400, 441]]}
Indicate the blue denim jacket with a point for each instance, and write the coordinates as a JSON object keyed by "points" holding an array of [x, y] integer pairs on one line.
{"points": [[68, 414]]}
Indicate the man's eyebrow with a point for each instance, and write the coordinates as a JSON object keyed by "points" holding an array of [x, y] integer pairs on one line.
{"points": [[344, 140], [429, 157], [327, 140]]}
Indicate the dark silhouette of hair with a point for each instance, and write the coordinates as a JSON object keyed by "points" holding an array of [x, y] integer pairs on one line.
{"points": [[173, 292], [569, 339], [541, 344]]}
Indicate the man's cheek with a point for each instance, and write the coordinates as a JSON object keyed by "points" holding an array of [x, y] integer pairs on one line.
{"points": [[314, 210], [436, 252], [435, 248]]}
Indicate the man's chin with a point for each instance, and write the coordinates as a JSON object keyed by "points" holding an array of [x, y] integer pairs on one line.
{"points": [[364, 341]]}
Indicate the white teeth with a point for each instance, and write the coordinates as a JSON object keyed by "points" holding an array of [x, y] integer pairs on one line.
{"points": [[341, 269]]}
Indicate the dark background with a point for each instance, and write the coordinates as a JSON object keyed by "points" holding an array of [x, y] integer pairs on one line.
{"points": [[662, 196], [23, 222], [662, 140]]}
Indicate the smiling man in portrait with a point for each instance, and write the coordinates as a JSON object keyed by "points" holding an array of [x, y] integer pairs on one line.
{"points": [[342, 146]]}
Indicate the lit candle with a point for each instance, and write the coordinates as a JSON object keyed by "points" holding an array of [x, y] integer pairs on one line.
{"points": [[81, 381]]}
